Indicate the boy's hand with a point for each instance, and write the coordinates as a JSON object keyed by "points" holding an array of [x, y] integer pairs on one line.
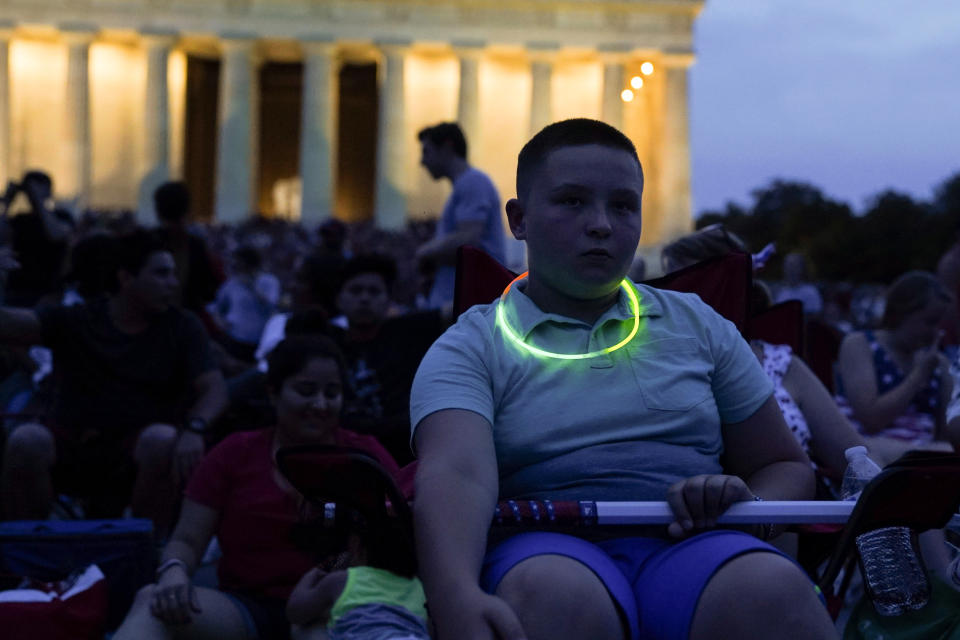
{"points": [[697, 502], [475, 615]]}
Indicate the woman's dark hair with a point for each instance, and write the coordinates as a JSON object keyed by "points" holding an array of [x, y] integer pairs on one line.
{"points": [[911, 292], [292, 354]]}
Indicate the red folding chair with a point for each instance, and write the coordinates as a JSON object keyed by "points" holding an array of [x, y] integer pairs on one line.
{"points": [[780, 324], [821, 348]]}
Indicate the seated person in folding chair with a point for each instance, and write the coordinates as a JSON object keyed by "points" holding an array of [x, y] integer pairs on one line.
{"points": [[239, 495], [660, 388], [894, 383], [135, 389]]}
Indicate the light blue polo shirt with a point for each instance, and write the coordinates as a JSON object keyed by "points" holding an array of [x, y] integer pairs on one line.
{"points": [[621, 426]]}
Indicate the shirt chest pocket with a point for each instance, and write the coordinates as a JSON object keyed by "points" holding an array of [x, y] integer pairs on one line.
{"points": [[672, 374]]}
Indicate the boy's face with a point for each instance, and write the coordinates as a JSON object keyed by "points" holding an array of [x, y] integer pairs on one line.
{"points": [[581, 219], [155, 287], [364, 299]]}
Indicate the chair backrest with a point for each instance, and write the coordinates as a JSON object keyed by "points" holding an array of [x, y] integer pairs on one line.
{"points": [[353, 479], [822, 347], [722, 282], [480, 279], [780, 324]]}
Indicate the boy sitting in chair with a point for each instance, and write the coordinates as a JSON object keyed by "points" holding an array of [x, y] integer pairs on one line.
{"points": [[579, 384]]}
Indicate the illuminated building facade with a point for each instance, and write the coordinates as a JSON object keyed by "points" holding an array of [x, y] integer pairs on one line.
{"points": [[310, 108]]}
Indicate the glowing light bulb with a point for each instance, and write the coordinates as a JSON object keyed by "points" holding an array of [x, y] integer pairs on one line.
{"points": [[626, 95], [646, 68], [636, 82]]}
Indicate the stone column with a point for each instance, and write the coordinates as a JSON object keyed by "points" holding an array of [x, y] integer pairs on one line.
{"points": [[613, 85], [390, 201], [675, 156], [6, 33], [468, 100], [541, 69], [77, 130], [156, 129], [235, 144], [317, 130]]}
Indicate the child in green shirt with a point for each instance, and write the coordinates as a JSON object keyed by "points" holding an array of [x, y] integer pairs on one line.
{"points": [[358, 603]]}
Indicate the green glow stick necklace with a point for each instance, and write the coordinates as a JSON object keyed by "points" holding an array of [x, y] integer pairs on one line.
{"points": [[502, 321]]}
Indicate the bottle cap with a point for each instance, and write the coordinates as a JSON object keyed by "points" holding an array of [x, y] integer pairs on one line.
{"points": [[854, 452]]}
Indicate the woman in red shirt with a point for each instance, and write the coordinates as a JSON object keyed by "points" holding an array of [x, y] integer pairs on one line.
{"points": [[238, 494]]}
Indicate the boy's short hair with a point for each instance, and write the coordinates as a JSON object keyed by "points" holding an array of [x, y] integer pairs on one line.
{"points": [[575, 132], [383, 266], [172, 201], [440, 134]]}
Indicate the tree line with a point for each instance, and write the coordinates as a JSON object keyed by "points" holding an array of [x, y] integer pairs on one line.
{"points": [[893, 235]]}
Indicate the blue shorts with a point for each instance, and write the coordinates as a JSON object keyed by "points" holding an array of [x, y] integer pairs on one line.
{"points": [[656, 583]]}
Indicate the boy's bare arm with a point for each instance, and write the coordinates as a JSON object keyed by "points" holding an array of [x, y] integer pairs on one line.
{"points": [[314, 596], [456, 489]]}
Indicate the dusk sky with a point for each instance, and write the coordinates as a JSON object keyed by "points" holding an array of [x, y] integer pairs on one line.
{"points": [[852, 96]]}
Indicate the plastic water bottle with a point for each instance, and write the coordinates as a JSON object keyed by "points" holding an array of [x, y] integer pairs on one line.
{"points": [[893, 571], [860, 471]]}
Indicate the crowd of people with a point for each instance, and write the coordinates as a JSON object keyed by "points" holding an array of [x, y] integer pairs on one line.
{"points": [[156, 372]]}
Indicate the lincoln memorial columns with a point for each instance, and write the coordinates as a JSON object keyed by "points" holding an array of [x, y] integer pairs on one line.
{"points": [[5, 172], [156, 130], [77, 112], [317, 131], [468, 100], [234, 190], [390, 201], [676, 147], [541, 70]]}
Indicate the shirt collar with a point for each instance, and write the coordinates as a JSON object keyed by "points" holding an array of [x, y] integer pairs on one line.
{"points": [[524, 315]]}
